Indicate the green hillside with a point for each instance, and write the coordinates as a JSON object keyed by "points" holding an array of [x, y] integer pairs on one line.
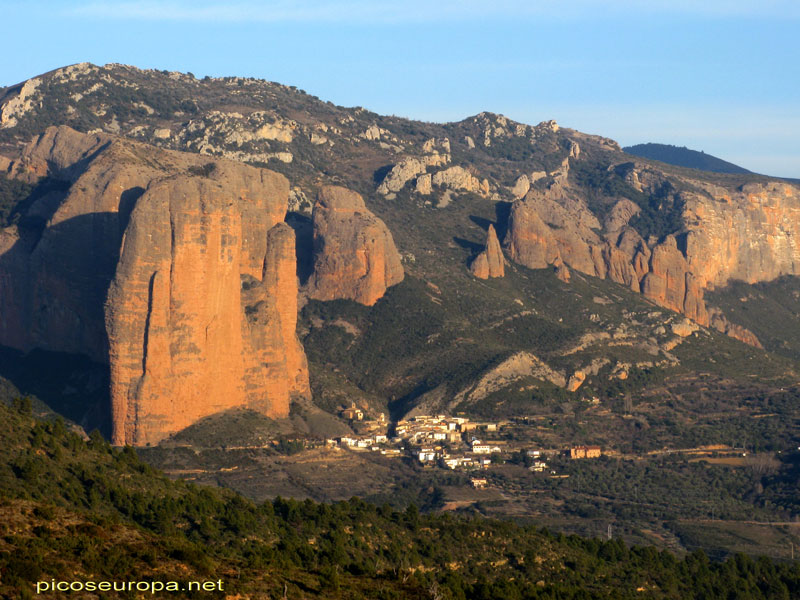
{"points": [[681, 156], [768, 309], [77, 511]]}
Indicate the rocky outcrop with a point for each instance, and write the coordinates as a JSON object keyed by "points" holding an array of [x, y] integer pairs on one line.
{"points": [[177, 272], [529, 241], [407, 170], [617, 266], [415, 169], [518, 366], [576, 380], [490, 262], [573, 227], [622, 212], [17, 101], [254, 137], [562, 271], [279, 284], [568, 238], [434, 145], [494, 126], [60, 152], [737, 332], [424, 184], [400, 174], [670, 284], [55, 267], [521, 187], [373, 132], [747, 233], [458, 178], [299, 202], [201, 312], [750, 233], [354, 253]]}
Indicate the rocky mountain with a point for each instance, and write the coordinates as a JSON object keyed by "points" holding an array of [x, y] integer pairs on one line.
{"points": [[152, 238], [178, 272]]}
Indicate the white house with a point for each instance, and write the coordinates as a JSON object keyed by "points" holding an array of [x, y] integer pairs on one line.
{"points": [[426, 455], [452, 463], [479, 447]]}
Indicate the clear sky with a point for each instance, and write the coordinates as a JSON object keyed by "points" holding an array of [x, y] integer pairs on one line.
{"points": [[721, 76]]}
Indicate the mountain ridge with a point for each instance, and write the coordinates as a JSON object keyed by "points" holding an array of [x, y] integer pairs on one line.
{"points": [[615, 317], [560, 200], [681, 156]]}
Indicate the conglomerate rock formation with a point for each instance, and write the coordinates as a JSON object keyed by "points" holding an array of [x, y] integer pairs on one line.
{"points": [[490, 262], [177, 270], [661, 274], [185, 339], [55, 264], [749, 234], [354, 253], [207, 262]]}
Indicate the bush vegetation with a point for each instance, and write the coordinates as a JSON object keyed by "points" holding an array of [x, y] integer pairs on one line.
{"points": [[77, 509]]}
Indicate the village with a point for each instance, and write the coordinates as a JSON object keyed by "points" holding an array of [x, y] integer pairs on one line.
{"points": [[447, 442]]}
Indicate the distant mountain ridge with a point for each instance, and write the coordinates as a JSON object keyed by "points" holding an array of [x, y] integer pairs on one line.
{"points": [[680, 156]]}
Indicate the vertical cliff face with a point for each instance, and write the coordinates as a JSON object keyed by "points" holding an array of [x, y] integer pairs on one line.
{"points": [[191, 330], [279, 280], [750, 233], [529, 241], [177, 271], [662, 274], [354, 253], [490, 262], [55, 265], [669, 282]]}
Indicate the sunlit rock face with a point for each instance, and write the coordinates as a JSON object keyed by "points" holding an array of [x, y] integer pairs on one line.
{"points": [[175, 269], [751, 233], [490, 262], [354, 253]]}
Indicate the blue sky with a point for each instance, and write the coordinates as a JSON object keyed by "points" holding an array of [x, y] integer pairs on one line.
{"points": [[719, 76]]}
